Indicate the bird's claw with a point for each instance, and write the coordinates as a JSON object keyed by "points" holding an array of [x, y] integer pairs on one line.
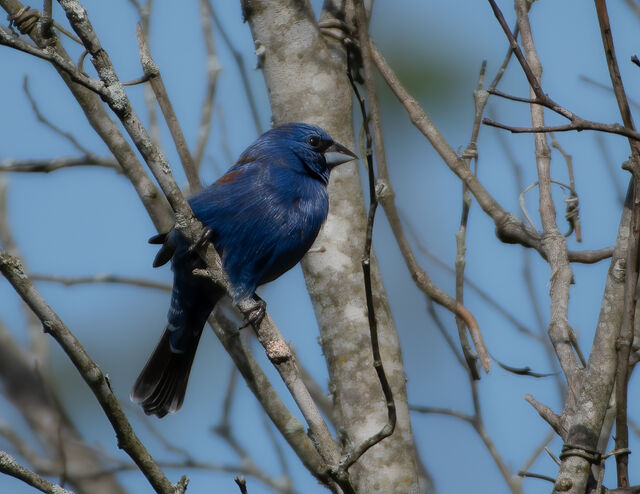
{"points": [[205, 237], [255, 314]]}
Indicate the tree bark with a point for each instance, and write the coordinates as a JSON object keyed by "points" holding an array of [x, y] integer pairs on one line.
{"points": [[306, 81]]}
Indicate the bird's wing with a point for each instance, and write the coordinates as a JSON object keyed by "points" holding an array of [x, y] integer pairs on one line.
{"points": [[251, 210]]}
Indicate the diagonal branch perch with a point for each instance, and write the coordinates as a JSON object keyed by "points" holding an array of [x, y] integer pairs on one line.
{"points": [[12, 269]]}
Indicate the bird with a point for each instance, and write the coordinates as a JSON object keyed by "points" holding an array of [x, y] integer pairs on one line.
{"points": [[262, 216]]}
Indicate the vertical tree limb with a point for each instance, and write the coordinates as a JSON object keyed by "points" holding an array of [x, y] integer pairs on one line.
{"points": [[306, 80], [611, 343], [554, 243]]}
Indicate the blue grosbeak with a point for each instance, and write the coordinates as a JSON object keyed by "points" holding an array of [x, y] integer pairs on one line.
{"points": [[262, 216]]}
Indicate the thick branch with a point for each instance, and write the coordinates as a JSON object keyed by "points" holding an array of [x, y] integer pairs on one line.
{"points": [[616, 315], [300, 65]]}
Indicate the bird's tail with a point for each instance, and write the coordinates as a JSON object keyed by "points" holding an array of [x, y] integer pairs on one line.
{"points": [[162, 384]]}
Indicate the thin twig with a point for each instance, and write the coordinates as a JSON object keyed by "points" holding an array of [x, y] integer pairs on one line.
{"points": [[387, 200], [54, 164], [554, 420], [573, 212], [152, 71], [525, 474], [242, 484], [509, 228], [7, 38], [47, 123], [213, 69], [352, 456], [237, 57], [144, 13], [477, 289], [553, 242], [480, 98], [101, 278], [442, 411], [577, 126], [540, 98], [537, 451]]}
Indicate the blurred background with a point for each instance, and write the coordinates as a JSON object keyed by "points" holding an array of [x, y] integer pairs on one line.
{"points": [[84, 221]]}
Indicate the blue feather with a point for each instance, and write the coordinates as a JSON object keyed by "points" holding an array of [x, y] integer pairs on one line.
{"points": [[264, 215]]}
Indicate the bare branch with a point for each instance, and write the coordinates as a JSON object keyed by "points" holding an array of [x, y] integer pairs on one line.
{"points": [[8, 39], [100, 121], [531, 475], [423, 281], [572, 214], [268, 335], [352, 456], [553, 242], [577, 125], [47, 123], [237, 57], [548, 415], [91, 373], [11, 467], [287, 424], [242, 484], [442, 411], [509, 229], [213, 69], [540, 98], [101, 278], [54, 164], [152, 72]]}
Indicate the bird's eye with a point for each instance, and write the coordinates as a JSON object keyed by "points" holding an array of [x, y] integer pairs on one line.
{"points": [[313, 141]]}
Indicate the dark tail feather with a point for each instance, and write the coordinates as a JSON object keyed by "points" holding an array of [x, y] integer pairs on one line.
{"points": [[162, 384]]}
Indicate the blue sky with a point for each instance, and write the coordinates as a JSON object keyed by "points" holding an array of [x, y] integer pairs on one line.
{"points": [[85, 221]]}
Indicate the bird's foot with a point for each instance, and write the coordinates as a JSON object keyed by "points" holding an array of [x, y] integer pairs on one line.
{"points": [[205, 237], [255, 314]]}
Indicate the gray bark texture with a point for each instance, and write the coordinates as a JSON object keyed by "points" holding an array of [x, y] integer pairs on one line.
{"points": [[306, 80]]}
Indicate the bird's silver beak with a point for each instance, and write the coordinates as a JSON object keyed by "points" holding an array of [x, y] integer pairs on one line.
{"points": [[336, 154]]}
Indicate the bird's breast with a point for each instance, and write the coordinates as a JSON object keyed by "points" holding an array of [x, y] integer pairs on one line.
{"points": [[311, 209]]}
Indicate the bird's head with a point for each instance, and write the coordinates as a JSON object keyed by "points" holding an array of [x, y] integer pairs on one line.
{"points": [[317, 152]]}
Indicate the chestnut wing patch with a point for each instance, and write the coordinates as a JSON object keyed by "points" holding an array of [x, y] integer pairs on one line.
{"points": [[230, 176]]}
